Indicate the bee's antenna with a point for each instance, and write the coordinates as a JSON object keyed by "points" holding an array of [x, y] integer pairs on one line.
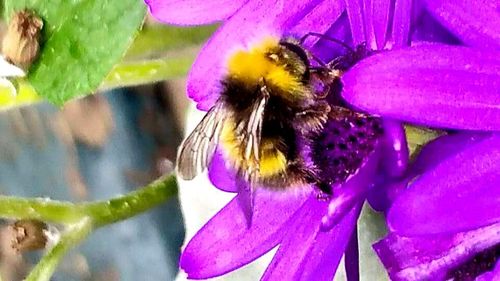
{"points": [[326, 37]]}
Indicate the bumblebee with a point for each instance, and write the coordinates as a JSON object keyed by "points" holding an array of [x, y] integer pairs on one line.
{"points": [[269, 106]]}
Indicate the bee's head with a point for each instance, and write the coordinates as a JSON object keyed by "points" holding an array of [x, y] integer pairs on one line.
{"points": [[293, 57]]}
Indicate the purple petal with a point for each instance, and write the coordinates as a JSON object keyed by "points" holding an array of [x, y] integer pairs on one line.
{"points": [[352, 257], [433, 153], [307, 253], [475, 22], [401, 23], [328, 50], [427, 29], [220, 176], [355, 16], [432, 257], [394, 149], [432, 85], [246, 199], [255, 21], [384, 193], [492, 275], [435, 202], [376, 14], [329, 248], [331, 11], [193, 12], [441, 148], [226, 242], [350, 193]]}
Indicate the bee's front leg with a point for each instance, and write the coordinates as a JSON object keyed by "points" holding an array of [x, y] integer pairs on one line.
{"points": [[312, 119]]}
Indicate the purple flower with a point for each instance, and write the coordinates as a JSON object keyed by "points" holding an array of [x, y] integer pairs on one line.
{"points": [[447, 224], [313, 234]]}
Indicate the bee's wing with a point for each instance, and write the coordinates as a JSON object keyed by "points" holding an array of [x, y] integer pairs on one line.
{"points": [[196, 151], [253, 134]]}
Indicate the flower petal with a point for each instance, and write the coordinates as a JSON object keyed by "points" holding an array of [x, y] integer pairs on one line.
{"points": [[428, 29], [433, 85], [435, 201], [329, 248], [376, 14], [394, 149], [254, 21], [433, 153], [354, 190], [351, 258], [330, 11], [226, 242], [475, 22], [193, 12], [432, 257], [401, 22], [355, 16], [220, 176], [328, 50], [307, 253], [491, 275], [442, 148]]}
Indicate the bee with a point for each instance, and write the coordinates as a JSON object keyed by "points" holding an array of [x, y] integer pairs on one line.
{"points": [[269, 106]]}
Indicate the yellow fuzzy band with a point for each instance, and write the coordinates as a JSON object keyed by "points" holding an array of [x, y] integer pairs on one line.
{"points": [[250, 66], [272, 161]]}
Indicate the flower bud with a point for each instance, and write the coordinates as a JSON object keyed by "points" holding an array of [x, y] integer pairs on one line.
{"points": [[29, 235], [21, 42]]}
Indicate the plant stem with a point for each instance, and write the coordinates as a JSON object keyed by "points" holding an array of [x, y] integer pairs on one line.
{"points": [[71, 237], [100, 212], [131, 204], [39, 209]]}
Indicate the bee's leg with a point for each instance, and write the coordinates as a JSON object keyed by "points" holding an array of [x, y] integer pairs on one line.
{"points": [[324, 189], [311, 119], [325, 37]]}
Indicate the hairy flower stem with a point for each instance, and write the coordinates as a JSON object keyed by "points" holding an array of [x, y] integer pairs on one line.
{"points": [[100, 212], [132, 204], [81, 219]]}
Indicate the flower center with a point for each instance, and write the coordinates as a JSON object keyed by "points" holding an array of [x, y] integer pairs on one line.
{"points": [[482, 262], [344, 144]]}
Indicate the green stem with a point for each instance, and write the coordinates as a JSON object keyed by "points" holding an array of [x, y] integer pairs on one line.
{"points": [[131, 204], [101, 212], [39, 209], [71, 237]]}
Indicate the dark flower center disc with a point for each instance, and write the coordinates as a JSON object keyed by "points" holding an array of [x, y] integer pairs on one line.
{"points": [[344, 144]]}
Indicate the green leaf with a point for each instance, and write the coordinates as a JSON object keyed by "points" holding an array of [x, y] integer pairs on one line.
{"points": [[82, 41]]}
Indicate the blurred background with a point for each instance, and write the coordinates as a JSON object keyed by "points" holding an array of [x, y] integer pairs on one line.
{"points": [[95, 148]]}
